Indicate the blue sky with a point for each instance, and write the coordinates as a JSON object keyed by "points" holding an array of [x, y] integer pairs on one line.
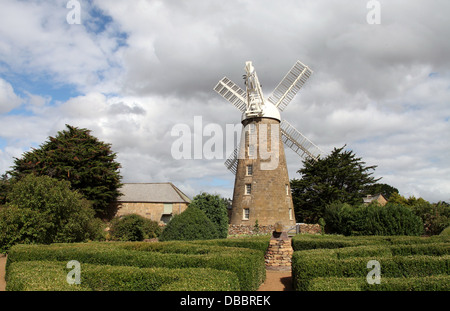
{"points": [[132, 70]]}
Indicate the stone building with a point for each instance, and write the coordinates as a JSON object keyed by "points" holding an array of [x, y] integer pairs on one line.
{"points": [[377, 197], [157, 201]]}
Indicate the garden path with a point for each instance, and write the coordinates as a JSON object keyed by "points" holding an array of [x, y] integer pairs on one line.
{"points": [[277, 281]]}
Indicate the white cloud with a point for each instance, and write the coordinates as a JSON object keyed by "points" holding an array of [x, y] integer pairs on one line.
{"points": [[8, 98], [381, 89]]}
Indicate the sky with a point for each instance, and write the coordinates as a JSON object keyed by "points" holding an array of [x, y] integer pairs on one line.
{"points": [[133, 71]]}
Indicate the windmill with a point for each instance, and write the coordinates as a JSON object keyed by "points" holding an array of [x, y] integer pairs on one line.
{"points": [[261, 191]]}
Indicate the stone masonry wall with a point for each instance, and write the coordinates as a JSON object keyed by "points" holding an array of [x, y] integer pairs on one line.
{"points": [[279, 253]]}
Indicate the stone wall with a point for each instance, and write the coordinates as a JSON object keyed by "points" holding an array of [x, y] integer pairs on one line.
{"points": [[249, 230], [309, 228], [279, 253], [153, 211]]}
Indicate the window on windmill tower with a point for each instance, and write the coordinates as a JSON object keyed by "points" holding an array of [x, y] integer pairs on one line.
{"points": [[290, 214], [249, 170], [248, 188], [287, 189], [246, 214], [251, 151]]}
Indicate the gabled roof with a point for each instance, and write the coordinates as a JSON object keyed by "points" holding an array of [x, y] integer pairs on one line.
{"points": [[369, 198], [152, 192]]}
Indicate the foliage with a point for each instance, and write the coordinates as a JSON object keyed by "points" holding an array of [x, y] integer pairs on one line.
{"points": [[373, 219], [76, 156], [133, 227], [445, 232], [192, 224], [385, 189], [341, 176], [51, 275], [215, 209], [246, 263], [397, 261], [4, 188], [423, 283], [45, 210], [305, 242], [436, 217]]}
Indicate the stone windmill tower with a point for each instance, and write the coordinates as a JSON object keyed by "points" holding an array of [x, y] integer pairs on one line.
{"points": [[261, 188]]}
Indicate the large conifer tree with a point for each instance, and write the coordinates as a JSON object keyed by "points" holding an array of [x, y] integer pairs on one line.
{"points": [[341, 176], [77, 156]]}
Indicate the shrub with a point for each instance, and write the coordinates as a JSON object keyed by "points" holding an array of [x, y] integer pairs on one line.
{"points": [[445, 232], [374, 219], [51, 275], [215, 209], [396, 261], [305, 242], [425, 283], [133, 227], [192, 224], [247, 264], [46, 210]]}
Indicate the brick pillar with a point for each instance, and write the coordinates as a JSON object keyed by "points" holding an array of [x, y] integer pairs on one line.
{"points": [[279, 253]]}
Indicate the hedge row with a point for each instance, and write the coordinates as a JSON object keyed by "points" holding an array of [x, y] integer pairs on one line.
{"points": [[50, 275], [395, 261], [247, 264], [426, 283], [305, 242]]}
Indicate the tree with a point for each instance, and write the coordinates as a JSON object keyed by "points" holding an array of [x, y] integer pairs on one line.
{"points": [[45, 210], [215, 209], [80, 158], [341, 176], [385, 189]]}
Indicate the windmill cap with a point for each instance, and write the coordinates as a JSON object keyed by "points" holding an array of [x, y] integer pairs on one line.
{"points": [[269, 111]]}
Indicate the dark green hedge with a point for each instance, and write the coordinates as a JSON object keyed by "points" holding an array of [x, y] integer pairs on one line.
{"points": [[426, 283], [192, 224], [414, 260], [247, 264], [305, 242], [51, 275]]}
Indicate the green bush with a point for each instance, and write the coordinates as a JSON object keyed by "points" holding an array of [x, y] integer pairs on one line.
{"points": [[425, 283], [445, 232], [133, 227], [45, 210], [373, 219], [192, 224], [247, 264], [414, 260], [215, 209], [305, 242], [51, 275]]}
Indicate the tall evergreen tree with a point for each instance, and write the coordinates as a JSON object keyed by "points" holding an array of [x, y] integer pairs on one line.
{"points": [[341, 176], [77, 156]]}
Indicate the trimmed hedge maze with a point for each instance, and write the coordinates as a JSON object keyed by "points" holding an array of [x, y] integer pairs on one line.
{"points": [[215, 265], [340, 263]]}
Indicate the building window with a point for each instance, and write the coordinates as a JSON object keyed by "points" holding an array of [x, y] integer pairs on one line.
{"points": [[249, 170], [290, 214], [246, 214], [287, 189], [248, 188], [251, 151], [168, 209]]}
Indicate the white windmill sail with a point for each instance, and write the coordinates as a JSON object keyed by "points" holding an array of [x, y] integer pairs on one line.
{"points": [[233, 93], [281, 97], [290, 85], [299, 143], [232, 162]]}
